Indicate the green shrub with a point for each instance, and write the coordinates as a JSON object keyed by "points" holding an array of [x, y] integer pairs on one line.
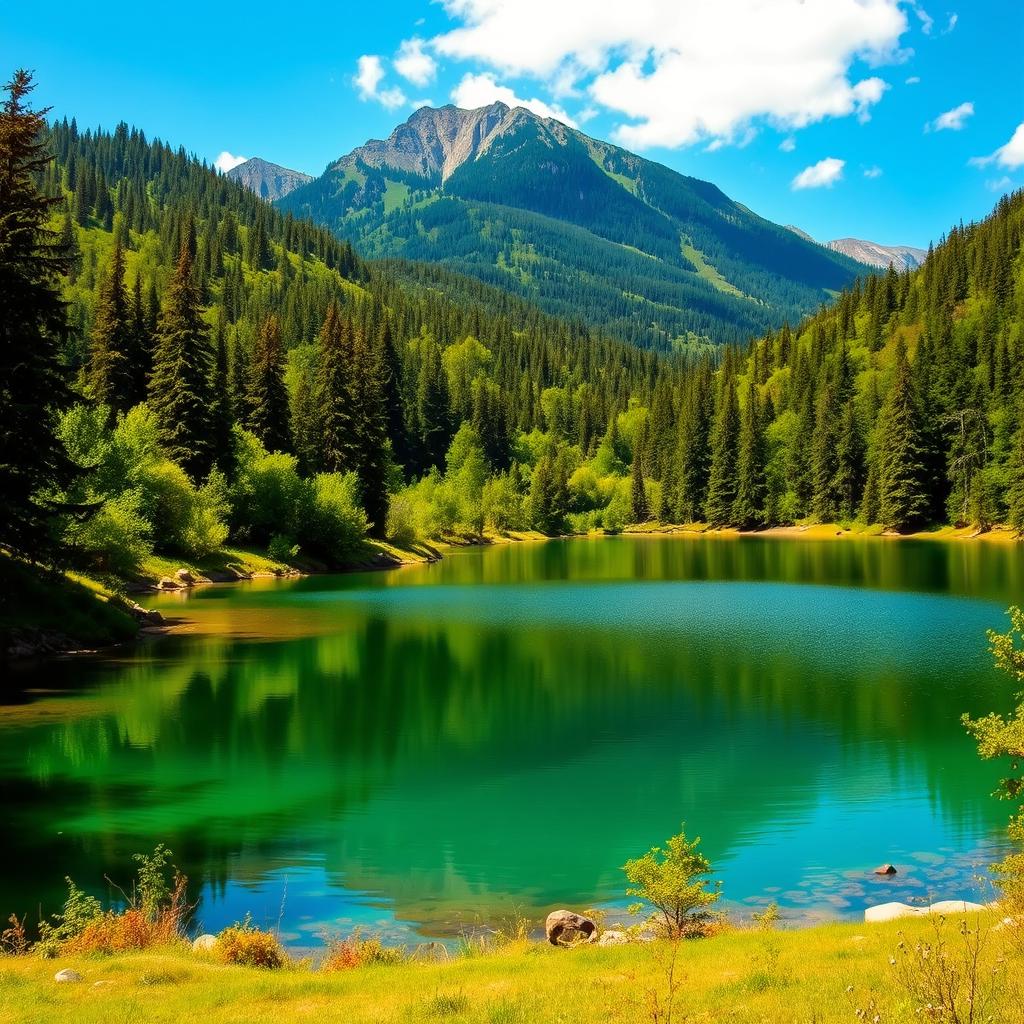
{"points": [[117, 537], [335, 525], [268, 495], [401, 526], [282, 548], [248, 946], [79, 911]]}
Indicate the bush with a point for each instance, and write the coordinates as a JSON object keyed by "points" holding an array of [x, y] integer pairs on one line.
{"points": [[268, 495], [248, 946], [401, 526], [117, 537], [354, 951], [335, 524], [282, 548], [79, 911], [671, 881]]}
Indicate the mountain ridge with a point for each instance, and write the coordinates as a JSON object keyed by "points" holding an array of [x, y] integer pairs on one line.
{"points": [[574, 223], [268, 180]]}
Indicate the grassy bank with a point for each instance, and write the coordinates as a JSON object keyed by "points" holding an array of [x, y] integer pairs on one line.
{"points": [[822, 974], [829, 531]]}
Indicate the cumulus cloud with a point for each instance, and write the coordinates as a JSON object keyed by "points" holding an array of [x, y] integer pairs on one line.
{"points": [[824, 174], [414, 64], [226, 161], [952, 120], [679, 72], [483, 89], [1010, 155], [370, 74]]}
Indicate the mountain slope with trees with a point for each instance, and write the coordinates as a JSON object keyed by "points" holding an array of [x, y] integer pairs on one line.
{"points": [[574, 224]]}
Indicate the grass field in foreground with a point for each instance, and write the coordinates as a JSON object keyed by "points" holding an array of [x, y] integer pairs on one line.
{"points": [[820, 975]]}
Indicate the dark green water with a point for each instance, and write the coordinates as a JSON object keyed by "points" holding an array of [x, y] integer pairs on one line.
{"points": [[426, 749]]}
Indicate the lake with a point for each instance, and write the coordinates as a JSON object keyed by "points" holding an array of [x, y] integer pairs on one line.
{"points": [[424, 751]]}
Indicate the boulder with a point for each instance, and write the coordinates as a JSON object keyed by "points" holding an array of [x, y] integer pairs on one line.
{"points": [[166, 583], [185, 576], [885, 869], [613, 937], [204, 943], [67, 975], [890, 912], [954, 907], [154, 618], [564, 928]]}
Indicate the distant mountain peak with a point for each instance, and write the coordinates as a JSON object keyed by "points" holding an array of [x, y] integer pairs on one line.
{"points": [[902, 257], [271, 181]]}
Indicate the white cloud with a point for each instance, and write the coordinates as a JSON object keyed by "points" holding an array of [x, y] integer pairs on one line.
{"points": [[226, 161], [369, 75], [824, 174], [913, 80], [424, 101], [873, 172], [482, 90], [952, 120], [1010, 156], [927, 21], [680, 72], [788, 144], [414, 64], [953, 19], [1002, 184]]}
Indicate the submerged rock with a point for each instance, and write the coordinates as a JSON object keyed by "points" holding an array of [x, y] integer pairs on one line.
{"points": [[563, 928], [885, 869]]}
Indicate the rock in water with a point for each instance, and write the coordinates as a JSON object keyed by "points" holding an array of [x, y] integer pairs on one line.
{"points": [[204, 943], [67, 975], [885, 869], [563, 928]]}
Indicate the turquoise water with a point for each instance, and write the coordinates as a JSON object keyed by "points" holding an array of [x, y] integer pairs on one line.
{"points": [[426, 750]]}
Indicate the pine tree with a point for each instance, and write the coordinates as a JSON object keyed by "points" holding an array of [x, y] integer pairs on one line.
{"points": [[221, 413], [751, 486], [369, 382], [902, 495], [694, 448], [640, 508], [110, 367], [32, 326], [432, 406], [266, 396], [718, 508], [333, 387], [180, 388], [1015, 491], [849, 477]]}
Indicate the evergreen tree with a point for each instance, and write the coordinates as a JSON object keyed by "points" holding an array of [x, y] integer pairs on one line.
{"points": [[721, 498], [110, 365], [369, 383], [267, 397], [902, 496], [849, 475], [751, 483], [1015, 491], [694, 447], [180, 388], [432, 406], [333, 388], [32, 326], [639, 508], [221, 417]]}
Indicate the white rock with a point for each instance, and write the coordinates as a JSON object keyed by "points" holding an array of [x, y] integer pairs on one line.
{"points": [[613, 937], [890, 912], [954, 907], [67, 975], [204, 943]]}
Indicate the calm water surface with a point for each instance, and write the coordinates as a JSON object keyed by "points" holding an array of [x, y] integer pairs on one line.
{"points": [[424, 750]]}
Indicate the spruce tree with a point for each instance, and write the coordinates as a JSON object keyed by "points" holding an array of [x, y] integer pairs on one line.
{"points": [[372, 464], [180, 387], [267, 397], [849, 477], [333, 387], [718, 508], [432, 406], [902, 494], [751, 484], [1015, 490], [32, 326], [694, 447], [110, 366], [221, 413], [640, 509]]}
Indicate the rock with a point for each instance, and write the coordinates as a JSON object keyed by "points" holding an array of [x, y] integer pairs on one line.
{"points": [[954, 907], [885, 869], [613, 937], [185, 575], [891, 911], [204, 943], [67, 975], [101, 984], [154, 618], [563, 928], [166, 583]]}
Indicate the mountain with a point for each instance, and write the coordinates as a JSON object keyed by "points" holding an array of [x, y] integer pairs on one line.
{"points": [[902, 257], [270, 181], [579, 226]]}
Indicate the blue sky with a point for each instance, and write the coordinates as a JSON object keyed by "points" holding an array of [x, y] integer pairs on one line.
{"points": [[882, 119]]}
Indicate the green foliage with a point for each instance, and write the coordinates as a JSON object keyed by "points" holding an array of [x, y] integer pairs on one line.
{"points": [[79, 911], [153, 888], [335, 524], [117, 537], [672, 881]]}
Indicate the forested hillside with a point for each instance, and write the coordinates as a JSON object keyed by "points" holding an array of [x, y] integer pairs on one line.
{"points": [[578, 226], [222, 371]]}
